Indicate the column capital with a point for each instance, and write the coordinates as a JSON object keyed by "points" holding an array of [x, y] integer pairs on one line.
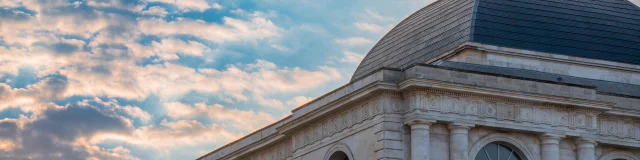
{"points": [[582, 142], [419, 121], [549, 138], [459, 128], [457, 125]]}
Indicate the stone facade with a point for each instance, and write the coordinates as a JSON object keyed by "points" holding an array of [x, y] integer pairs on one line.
{"points": [[430, 112]]}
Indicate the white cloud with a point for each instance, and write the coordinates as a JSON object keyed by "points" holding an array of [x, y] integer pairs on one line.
{"points": [[121, 4], [84, 24], [105, 59], [155, 11], [34, 98], [299, 101], [273, 103], [216, 6], [173, 134], [264, 77], [280, 48], [7, 145], [354, 41], [241, 12], [10, 3], [231, 29], [350, 57], [373, 14], [187, 5], [65, 135], [372, 27], [168, 49], [136, 112], [169, 80], [248, 121], [97, 153], [114, 106], [84, 136]]}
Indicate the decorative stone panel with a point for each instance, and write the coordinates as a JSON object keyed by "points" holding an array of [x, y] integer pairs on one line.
{"points": [[619, 127], [384, 103], [485, 107], [280, 151]]}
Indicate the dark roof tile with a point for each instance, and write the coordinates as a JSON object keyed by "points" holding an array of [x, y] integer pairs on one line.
{"points": [[596, 29]]}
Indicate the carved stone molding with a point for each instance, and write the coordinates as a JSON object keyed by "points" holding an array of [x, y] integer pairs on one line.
{"points": [[501, 109], [619, 126], [280, 151], [562, 118], [384, 103], [619, 155]]}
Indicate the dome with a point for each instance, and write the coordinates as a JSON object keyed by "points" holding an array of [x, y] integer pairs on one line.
{"points": [[596, 29]]}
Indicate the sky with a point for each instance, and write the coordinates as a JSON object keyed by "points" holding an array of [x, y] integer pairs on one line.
{"points": [[170, 79]]}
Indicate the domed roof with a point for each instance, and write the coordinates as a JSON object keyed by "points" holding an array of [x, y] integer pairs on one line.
{"points": [[597, 29]]}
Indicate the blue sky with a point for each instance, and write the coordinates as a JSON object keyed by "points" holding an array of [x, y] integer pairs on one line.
{"points": [[170, 79]]}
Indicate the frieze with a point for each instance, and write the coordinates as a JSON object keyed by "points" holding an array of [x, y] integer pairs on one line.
{"points": [[502, 109], [619, 126], [384, 103], [416, 96], [279, 151], [569, 117]]}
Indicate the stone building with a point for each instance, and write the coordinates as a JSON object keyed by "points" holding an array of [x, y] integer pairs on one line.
{"points": [[478, 80]]}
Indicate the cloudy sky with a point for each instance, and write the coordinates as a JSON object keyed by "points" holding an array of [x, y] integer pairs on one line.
{"points": [[170, 79]]}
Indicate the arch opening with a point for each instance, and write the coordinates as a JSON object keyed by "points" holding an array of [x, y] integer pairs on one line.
{"points": [[498, 151], [505, 140], [339, 155], [339, 151]]}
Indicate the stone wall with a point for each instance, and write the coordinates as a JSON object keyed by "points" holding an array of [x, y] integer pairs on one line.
{"points": [[279, 151], [544, 62], [372, 129]]}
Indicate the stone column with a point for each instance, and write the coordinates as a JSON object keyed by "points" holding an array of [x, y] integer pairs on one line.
{"points": [[586, 149], [420, 139], [550, 146], [459, 141]]}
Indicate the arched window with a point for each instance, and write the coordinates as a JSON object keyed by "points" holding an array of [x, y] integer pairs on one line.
{"points": [[339, 151], [497, 151], [339, 155]]}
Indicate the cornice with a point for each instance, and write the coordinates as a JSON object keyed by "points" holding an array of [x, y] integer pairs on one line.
{"points": [[550, 57], [413, 83], [614, 113], [371, 90]]}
